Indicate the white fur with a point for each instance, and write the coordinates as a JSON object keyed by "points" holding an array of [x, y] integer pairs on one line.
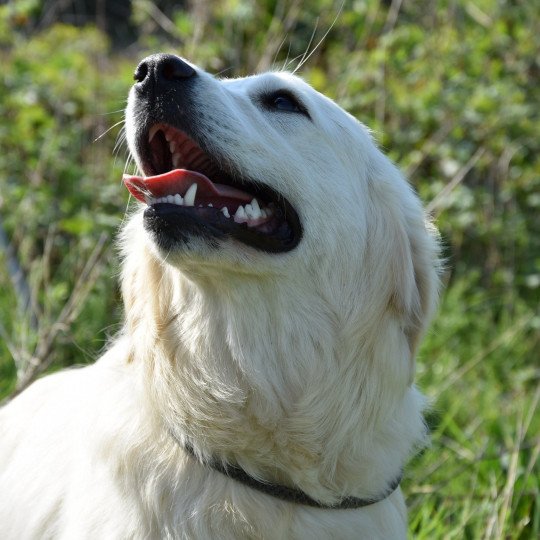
{"points": [[297, 366]]}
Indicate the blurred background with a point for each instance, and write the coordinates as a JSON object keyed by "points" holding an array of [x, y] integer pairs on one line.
{"points": [[451, 90]]}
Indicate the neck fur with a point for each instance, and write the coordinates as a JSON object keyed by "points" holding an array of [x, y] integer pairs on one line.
{"points": [[267, 375]]}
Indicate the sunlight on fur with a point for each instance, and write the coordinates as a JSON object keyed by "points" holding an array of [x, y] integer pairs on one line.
{"points": [[282, 342]]}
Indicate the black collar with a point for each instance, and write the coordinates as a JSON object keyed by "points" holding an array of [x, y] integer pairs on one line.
{"points": [[290, 494]]}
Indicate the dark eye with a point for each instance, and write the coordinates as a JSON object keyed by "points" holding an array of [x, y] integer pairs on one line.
{"points": [[285, 102]]}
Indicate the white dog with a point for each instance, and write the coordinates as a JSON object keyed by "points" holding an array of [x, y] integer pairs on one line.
{"points": [[276, 282]]}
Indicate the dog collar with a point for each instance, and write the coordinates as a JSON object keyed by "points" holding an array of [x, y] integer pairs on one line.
{"points": [[289, 494]]}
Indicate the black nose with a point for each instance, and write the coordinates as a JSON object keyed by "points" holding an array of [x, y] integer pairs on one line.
{"points": [[163, 68]]}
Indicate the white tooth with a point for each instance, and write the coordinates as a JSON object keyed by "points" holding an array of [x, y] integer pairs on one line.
{"points": [[170, 199], [152, 132], [172, 146], [240, 215], [253, 213], [210, 205], [168, 136], [263, 213], [255, 206], [178, 199], [225, 212], [176, 160], [254, 209], [189, 197]]}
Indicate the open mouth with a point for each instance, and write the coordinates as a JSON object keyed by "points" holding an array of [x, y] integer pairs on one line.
{"points": [[187, 193]]}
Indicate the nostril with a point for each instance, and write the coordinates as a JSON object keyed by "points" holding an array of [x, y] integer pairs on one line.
{"points": [[141, 72], [173, 68], [162, 69]]}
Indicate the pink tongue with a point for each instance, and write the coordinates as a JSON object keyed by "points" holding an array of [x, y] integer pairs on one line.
{"points": [[179, 181]]}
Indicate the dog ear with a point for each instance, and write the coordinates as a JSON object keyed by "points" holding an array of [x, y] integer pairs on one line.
{"points": [[417, 262], [408, 264], [423, 258]]}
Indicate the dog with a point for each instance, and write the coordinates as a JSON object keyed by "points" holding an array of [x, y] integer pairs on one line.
{"points": [[277, 277]]}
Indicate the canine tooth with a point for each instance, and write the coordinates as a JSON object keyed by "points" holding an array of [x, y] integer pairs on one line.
{"points": [[152, 132], [176, 160], [168, 135], [178, 199], [240, 215], [170, 199], [189, 197], [225, 212], [253, 210], [255, 205], [172, 146]]}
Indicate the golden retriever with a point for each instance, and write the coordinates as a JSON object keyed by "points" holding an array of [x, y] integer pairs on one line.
{"points": [[277, 276]]}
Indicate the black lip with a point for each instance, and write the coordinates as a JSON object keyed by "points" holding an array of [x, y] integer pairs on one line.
{"points": [[172, 225]]}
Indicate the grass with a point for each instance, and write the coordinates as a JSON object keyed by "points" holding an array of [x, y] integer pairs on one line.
{"points": [[480, 479]]}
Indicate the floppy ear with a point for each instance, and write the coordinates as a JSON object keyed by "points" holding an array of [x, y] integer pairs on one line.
{"points": [[409, 260], [423, 258]]}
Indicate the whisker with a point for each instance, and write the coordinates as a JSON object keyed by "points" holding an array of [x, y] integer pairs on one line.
{"points": [[107, 131], [279, 49], [120, 140], [112, 112], [219, 73], [286, 63], [304, 60]]}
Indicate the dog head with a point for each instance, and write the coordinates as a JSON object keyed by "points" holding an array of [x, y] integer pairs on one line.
{"points": [[264, 175]]}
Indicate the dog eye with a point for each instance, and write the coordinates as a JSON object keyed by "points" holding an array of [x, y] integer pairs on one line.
{"points": [[285, 102]]}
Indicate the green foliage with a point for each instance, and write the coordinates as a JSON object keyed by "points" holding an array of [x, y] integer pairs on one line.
{"points": [[480, 477], [451, 90], [57, 193]]}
